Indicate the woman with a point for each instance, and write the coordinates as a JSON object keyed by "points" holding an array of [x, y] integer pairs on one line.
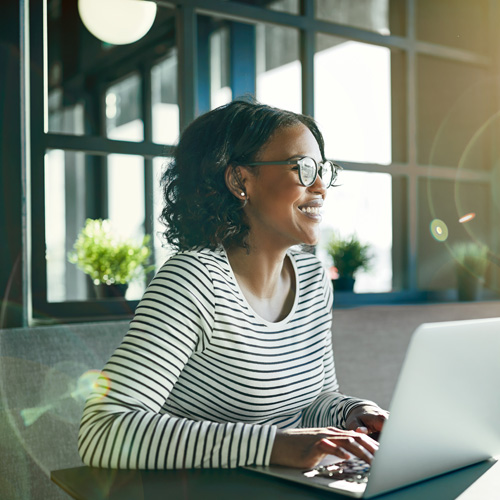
{"points": [[228, 360]]}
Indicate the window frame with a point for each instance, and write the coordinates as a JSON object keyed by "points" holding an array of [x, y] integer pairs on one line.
{"points": [[405, 175]]}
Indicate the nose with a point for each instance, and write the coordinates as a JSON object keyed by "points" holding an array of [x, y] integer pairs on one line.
{"points": [[318, 186]]}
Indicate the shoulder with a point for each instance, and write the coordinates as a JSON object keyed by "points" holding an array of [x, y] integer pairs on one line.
{"points": [[186, 269], [307, 263], [312, 274]]}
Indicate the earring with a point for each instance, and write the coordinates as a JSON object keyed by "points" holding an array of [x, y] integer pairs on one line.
{"points": [[242, 193]]}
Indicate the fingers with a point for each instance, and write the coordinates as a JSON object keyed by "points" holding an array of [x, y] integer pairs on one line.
{"points": [[368, 424], [375, 422], [330, 448], [361, 448], [357, 444], [370, 417]]}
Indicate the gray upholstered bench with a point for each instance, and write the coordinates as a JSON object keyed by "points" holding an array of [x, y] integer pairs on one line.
{"points": [[44, 377]]}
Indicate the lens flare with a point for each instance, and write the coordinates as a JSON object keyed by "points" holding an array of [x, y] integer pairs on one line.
{"points": [[92, 381], [439, 230], [467, 218]]}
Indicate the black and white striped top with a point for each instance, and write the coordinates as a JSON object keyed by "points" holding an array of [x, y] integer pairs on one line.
{"points": [[200, 380]]}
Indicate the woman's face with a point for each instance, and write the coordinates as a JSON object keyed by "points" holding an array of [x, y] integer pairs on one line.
{"points": [[280, 210]]}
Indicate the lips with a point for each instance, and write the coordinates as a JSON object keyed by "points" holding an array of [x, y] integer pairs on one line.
{"points": [[312, 208]]}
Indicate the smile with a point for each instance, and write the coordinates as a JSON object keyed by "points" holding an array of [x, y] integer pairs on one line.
{"points": [[311, 210]]}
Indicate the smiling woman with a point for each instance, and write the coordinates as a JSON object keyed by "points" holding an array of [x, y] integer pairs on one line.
{"points": [[228, 360]]}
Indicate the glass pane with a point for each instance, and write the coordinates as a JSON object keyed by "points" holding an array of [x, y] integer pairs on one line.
{"points": [[362, 206], [220, 83], [55, 232], [67, 119], [125, 179], [290, 6], [164, 100], [353, 99], [463, 25], [123, 110], [452, 213], [382, 16], [83, 59], [74, 191], [279, 81], [162, 250], [454, 113], [126, 203], [239, 59]]}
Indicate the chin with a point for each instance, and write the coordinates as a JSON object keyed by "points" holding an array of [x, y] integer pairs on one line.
{"points": [[310, 241]]}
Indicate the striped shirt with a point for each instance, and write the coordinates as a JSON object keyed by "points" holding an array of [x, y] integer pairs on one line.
{"points": [[200, 380]]}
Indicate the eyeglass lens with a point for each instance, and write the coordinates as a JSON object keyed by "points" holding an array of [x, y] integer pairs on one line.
{"points": [[308, 171]]}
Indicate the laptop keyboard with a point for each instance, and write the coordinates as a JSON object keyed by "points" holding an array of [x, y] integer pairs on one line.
{"points": [[353, 470]]}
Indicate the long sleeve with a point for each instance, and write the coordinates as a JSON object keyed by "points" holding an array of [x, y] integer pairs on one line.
{"points": [[331, 407], [125, 423]]}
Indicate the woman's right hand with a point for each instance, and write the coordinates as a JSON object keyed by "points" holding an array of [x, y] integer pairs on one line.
{"points": [[305, 448]]}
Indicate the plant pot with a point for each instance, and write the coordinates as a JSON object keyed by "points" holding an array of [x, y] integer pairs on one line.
{"points": [[467, 285], [103, 291], [344, 284]]}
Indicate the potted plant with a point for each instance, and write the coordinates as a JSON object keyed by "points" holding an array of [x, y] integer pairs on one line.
{"points": [[110, 261], [471, 263], [349, 255]]}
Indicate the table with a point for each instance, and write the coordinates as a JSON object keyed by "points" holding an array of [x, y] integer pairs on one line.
{"points": [[476, 482]]}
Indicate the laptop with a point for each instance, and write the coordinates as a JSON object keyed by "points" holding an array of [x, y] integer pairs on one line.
{"points": [[444, 413]]}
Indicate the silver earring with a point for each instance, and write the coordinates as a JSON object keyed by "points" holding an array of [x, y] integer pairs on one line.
{"points": [[242, 193]]}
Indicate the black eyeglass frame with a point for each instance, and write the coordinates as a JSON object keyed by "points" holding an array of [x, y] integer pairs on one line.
{"points": [[335, 168]]}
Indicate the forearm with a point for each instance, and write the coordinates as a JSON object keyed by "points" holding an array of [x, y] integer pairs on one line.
{"points": [[331, 409], [140, 439]]}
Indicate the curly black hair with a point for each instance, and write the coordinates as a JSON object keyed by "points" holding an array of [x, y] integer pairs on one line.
{"points": [[199, 210]]}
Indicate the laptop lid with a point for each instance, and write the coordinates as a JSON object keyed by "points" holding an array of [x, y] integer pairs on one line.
{"points": [[445, 408]]}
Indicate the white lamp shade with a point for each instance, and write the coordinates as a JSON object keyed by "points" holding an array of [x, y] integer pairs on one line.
{"points": [[117, 21]]}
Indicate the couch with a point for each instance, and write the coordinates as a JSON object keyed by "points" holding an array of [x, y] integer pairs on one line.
{"points": [[45, 373]]}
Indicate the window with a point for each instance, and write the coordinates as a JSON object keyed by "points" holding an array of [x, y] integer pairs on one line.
{"points": [[407, 105]]}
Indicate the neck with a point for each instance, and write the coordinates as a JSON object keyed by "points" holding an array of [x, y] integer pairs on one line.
{"points": [[260, 272]]}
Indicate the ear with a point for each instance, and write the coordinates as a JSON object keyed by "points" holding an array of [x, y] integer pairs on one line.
{"points": [[235, 181]]}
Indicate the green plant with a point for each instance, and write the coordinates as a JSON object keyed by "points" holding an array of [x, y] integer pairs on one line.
{"points": [[106, 258], [348, 254], [471, 256]]}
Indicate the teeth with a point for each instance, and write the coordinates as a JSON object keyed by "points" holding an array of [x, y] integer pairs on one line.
{"points": [[311, 210]]}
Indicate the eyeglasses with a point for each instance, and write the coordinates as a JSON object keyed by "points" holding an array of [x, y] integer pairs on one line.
{"points": [[308, 169]]}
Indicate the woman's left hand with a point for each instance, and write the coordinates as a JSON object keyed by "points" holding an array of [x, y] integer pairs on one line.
{"points": [[367, 418]]}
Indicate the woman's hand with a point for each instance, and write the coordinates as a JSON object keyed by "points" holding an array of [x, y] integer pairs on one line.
{"points": [[305, 448], [367, 419]]}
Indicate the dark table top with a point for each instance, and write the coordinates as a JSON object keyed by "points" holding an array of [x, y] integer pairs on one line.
{"points": [[477, 482]]}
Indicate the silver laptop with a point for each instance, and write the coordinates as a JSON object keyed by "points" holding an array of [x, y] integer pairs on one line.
{"points": [[444, 413]]}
